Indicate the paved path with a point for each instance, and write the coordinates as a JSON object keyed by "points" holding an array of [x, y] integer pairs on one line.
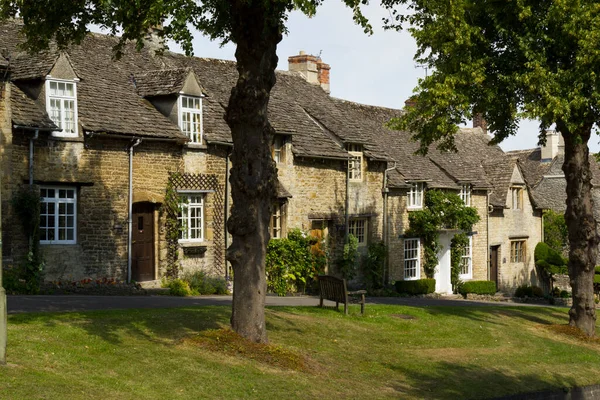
{"points": [[22, 304]]}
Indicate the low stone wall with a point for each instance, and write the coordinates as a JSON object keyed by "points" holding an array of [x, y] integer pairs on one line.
{"points": [[562, 282]]}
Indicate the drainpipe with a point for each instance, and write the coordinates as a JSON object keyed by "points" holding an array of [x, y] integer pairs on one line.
{"points": [[386, 264], [347, 216], [487, 228], [226, 211], [130, 217], [37, 132]]}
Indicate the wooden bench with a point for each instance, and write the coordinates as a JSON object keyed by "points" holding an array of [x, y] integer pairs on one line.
{"points": [[334, 289]]}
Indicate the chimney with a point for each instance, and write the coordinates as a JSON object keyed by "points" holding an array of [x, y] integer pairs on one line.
{"points": [[480, 122], [555, 145], [153, 38], [312, 69], [410, 102], [323, 70]]}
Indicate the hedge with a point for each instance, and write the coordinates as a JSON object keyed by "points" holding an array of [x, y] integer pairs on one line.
{"points": [[529, 291], [478, 287], [598, 270], [419, 286], [549, 259]]}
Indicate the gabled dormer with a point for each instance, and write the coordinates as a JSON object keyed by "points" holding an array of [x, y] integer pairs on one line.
{"points": [[178, 95], [60, 97]]}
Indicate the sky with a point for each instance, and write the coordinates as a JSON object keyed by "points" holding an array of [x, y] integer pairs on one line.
{"points": [[376, 70]]}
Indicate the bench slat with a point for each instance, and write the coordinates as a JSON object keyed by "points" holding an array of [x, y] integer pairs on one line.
{"points": [[334, 289]]}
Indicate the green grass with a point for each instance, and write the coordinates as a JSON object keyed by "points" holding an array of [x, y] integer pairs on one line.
{"points": [[443, 352]]}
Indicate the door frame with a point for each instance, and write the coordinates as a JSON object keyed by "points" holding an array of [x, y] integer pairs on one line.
{"points": [[155, 233]]}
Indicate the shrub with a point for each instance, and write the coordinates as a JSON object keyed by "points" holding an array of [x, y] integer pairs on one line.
{"points": [[556, 292], [529, 291], [549, 259], [201, 283], [347, 263], [419, 286], [478, 287], [179, 287], [597, 278], [598, 270], [564, 294], [290, 263], [373, 266]]}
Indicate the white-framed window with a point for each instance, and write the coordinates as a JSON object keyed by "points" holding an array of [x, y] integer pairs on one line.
{"points": [[357, 227], [61, 105], [517, 251], [412, 259], [191, 217], [517, 198], [277, 221], [190, 118], [278, 149], [58, 215], [466, 261], [415, 195], [465, 194], [355, 162]]}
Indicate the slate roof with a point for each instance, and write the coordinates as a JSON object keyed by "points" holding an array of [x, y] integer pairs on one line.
{"points": [[546, 179], [26, 113], [439, 170], [499, 171], [110, 99], [161, 82]]}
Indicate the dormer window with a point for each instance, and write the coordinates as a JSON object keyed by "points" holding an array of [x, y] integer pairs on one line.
{"points": [[190, 118], [278, 149], [355, 161], [61, 105], [465, 194], [415, 195]]}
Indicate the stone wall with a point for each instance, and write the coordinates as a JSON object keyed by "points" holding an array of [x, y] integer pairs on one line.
{"points": [[507, 225]]}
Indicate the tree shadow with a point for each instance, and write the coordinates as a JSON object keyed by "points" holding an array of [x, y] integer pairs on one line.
{"points": [[538, 315], [445, 380], [166, 326]]}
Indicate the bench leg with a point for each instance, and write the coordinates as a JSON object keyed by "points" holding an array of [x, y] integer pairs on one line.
{"points": [[321, 302], [346, 308], [362, 304], [337, 305]]}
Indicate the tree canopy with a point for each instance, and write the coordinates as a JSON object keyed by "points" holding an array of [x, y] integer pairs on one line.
{"points": [[507, 60]]}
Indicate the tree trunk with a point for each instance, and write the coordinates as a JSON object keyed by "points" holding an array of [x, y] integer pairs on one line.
{"points": [[256, 29], [583, 238]]}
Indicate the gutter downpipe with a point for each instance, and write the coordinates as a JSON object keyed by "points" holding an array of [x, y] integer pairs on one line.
{"points": [[226, 211], [487, 234], [130, 217], [386, 264], [37, 132], [347, 216]]}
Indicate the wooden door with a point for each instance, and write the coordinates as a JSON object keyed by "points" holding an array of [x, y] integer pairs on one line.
{"points": [[142, 260], [495, 251]]}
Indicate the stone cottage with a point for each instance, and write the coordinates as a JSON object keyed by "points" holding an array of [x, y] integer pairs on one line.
{"points": [[131, 159]]}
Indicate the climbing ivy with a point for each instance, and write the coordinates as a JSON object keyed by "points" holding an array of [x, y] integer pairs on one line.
{"points": [[442, 210], [170, 208], [457, 248], [26, 204]]}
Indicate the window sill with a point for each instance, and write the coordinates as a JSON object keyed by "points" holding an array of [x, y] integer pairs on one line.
{"points": [[196, 146], [57, 243], [76, 139], [190, 243], [411, 279], [414, 208]]}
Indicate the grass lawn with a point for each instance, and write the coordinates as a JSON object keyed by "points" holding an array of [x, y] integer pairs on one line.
{"points": [[391, 352]]}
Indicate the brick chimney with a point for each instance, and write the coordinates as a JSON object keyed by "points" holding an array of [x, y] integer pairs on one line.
{"points": [[410, 102], [153, 38], [480, 122], [555, 145], [312, 69]]}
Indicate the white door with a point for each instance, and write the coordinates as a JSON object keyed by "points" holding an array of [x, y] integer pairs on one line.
{"points": [[442, 272]]}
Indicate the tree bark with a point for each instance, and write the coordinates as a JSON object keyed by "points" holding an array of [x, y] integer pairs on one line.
{"points": [[256, 29], [583, 238]]}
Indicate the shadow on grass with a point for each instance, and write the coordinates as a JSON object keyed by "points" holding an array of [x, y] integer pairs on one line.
{"points": [[160, 325], [444, 380], [538, 315]]}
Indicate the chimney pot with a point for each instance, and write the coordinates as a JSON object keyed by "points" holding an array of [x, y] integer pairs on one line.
{"points": [[312, 69], [480, 122]]}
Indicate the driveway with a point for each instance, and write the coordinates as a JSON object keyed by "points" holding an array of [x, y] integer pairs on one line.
{"points": [[23, 304]]}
